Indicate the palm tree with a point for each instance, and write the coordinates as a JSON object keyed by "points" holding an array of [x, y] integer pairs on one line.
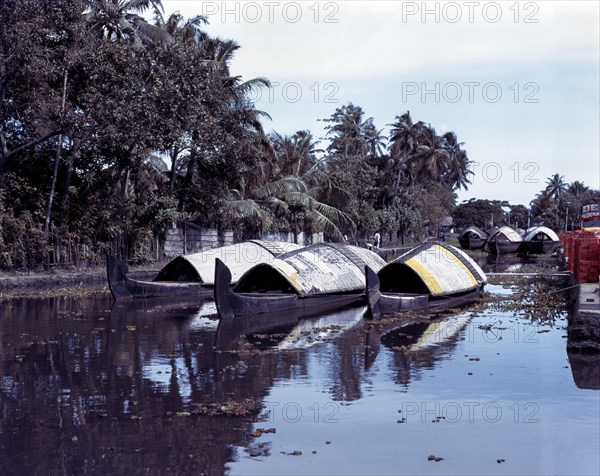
{"points": [[286, 196], [120, 21], [297, 154], [374, 139], [280, 185], [184, 31], [543, 206], [555, 186], [431, 157], [458, 173], [404, 140], [347, 132], [578, 189], [233, 106]]}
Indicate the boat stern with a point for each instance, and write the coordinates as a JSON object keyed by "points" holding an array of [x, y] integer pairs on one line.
{"points": [[116, 274]]}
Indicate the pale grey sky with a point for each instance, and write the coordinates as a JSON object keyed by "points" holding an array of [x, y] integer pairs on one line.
{"points": [[517, 81]]}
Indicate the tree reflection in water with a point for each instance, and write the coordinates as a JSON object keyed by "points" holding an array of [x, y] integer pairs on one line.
{"points": [[88, 386]]}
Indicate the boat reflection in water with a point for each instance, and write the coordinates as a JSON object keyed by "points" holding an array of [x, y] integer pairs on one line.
{"points": [[505, 263], [287, 330], [87, 385], [417, 342]]}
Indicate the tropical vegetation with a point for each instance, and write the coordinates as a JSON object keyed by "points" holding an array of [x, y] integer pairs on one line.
{"points": [[118, 122]]}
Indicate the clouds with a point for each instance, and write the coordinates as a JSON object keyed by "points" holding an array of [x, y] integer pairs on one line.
{"points": [[373, 39], [367, 52]]}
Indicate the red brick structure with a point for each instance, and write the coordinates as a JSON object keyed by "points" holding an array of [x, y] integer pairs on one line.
{"points": [[582, 252]]}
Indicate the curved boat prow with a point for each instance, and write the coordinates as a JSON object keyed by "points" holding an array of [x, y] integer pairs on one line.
{"points": [[222, 290], [373, 293], [116, 273]]}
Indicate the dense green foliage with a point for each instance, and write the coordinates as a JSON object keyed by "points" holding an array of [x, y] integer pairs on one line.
{"points": [[114, 128]]}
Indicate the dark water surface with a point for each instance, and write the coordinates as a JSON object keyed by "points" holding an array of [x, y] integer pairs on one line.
{"points": [[88, 387]]}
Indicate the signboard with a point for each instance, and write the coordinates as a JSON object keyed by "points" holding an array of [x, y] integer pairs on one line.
{"points": [[590, 211]]}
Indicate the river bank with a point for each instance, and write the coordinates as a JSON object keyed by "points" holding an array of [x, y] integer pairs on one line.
{"points": [[27, 282]]}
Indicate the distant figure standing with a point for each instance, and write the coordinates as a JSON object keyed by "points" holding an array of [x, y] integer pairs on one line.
{"points": [[376, 240]]}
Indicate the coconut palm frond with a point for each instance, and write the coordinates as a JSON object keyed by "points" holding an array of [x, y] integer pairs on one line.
{"points": [[240, 209], [326, 224], [251, 85], [141, 5], [278, 206], [333, 193], [157, 163], [315, 168], [193, 29], [150, 33], [334, 215], [282, 186]]}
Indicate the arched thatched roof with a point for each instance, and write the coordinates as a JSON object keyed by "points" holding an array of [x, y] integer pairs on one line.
{"points": [[432, 268], [474, 230], [505, 233], [546, 234], [239, 258], [316, 269]]}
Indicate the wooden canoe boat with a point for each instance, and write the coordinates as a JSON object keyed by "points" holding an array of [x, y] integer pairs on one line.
{"points": [[540, 240], [322, 277], [193, 274], [472, 238], [504, 240], [432, 275]]}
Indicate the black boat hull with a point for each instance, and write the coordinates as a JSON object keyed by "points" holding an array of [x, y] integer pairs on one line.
{"points": [[123, 287], [231, 304], [541, 247], [380, 303], [471, 243]]}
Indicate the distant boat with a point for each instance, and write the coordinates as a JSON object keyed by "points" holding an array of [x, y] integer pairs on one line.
{"points": [[193, 274], [472, 238], [432, 275], [540, 240], [321, 277], [504, 240]]}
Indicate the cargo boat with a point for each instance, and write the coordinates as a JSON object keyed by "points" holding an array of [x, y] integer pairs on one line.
{"points": [[324, 277], [193, 274], [431, 276]]}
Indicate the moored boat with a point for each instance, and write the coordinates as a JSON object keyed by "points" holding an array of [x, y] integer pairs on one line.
{"points": [[323, 277], [472, 238], [193, 274], [504, 240], [541, 240], [432, 275]]}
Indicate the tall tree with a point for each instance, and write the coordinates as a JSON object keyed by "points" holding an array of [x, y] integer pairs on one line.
{"points": [[555, 186], [458, 163], [404, 140]]}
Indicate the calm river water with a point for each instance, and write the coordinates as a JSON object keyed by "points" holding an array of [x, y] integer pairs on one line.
{"points": [[88, 387]]}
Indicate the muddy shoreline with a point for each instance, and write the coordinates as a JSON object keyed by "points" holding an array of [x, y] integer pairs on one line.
{"points": [[52, 279]]}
